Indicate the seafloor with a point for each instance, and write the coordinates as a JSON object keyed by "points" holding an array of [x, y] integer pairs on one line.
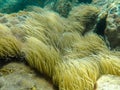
{"points": [[59, 45]]}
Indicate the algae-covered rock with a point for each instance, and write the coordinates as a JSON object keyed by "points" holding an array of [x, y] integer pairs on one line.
{"points": [[63, 7], [112, 30], [18, 76], [109, 27]]}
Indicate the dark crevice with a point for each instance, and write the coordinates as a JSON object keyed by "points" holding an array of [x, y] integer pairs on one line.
{"points": [[7, 59], [100, 29], [100, 26]]}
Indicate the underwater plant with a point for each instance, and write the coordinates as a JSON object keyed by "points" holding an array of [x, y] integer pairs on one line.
{"points": [[64, 49]]}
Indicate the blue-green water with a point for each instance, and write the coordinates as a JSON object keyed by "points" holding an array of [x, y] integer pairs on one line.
{"points": [[10, 6]]}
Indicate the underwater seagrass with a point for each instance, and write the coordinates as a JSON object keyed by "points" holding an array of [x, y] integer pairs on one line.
{"points": [[56, 47], [9, 45]]}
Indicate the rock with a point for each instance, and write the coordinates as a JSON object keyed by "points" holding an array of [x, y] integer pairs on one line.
{"points": [[111, 23], [112, 30], [108, 82], [18, 76]]}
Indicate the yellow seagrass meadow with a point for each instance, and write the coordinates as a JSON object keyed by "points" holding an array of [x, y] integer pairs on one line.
{"points": [[64, 49]]}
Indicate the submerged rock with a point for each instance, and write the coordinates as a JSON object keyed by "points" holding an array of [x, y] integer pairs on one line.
{"points": [[109, 27], [112, 30], [18, 76], [108, 82]]}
